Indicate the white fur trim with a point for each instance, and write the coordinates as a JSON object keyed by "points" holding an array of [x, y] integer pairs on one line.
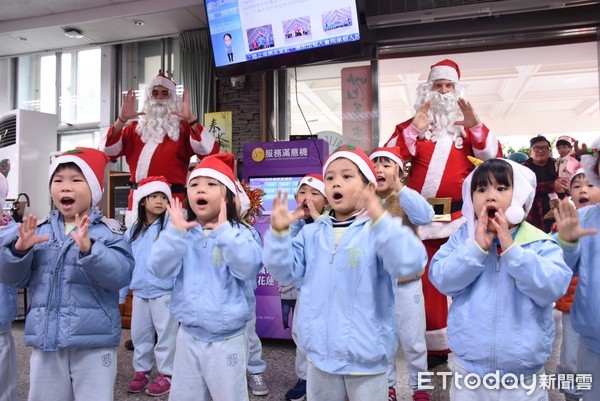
{"points": [[438, 229], [162, 81], [354, 158], [389, 155], [87, 171], [437, 340], [143, 164], [205, 145], [443, 72], [217, 175], [314, 183], [3, 190], [491, 144], [591, 168], [130, 217], [111, 150], [149, 189], [436, 168]]}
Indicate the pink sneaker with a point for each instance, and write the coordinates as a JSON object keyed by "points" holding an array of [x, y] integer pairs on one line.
{"points": [[161, 385], [421, 395], [139, 382], [392, 394]]}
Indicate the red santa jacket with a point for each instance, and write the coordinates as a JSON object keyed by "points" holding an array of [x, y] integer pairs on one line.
{"points": [[438, 169], [169, 158]]}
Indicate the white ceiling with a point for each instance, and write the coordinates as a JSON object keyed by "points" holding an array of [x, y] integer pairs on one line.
{"points": [[550, 90]]}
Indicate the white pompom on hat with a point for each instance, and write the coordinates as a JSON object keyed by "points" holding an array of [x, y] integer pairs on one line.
{"points": [[356, 156], [524, 184], [3, 191], [590, 164], [314, 181], [392, 153], [220, 167], [150, 185], [445, 69], [92, 164]]}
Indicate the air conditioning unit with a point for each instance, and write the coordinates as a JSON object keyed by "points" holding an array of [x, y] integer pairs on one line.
{"points": [[26, 140], [390, 13]]}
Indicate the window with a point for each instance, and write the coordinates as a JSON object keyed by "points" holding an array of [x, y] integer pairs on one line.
{"points": [[80, 87]]}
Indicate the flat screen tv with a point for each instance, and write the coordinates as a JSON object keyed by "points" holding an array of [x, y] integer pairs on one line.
{"points": [[270, 186], [257, 35]]}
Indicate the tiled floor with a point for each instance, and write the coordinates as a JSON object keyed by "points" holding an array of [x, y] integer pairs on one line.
{"points": [[280, 375]]}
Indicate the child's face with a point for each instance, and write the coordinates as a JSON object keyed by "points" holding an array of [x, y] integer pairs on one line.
{"points": [[227, 40], [70, 193], [387, 174], [492, 197], [155, 204], [563, 150], [306, 192], [204, 196], [584, 193], [344, 188]]}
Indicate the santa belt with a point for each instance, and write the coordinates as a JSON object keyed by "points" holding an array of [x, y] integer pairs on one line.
{"points": [[175, 188], [444, 207]]}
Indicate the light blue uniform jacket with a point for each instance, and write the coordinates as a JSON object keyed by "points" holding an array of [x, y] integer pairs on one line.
{"points": [[347, 311], [501, 312], [74, 297], [8, 297], [210, 274], [584, 258]]}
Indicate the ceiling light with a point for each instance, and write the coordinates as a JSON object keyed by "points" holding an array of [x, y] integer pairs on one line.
{"points": [[73, 33], [137, 22]]}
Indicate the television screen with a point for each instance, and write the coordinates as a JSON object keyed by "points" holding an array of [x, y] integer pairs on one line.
{"points": [[270, 186], [256, 35]]}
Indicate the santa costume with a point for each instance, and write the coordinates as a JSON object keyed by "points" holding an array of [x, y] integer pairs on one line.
{"points": [[439, 165], [168, 155]]}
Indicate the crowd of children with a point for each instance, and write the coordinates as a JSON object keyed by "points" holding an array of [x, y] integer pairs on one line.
{"points": [[350, 251]]}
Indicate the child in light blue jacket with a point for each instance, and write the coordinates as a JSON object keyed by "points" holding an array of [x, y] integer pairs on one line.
{"points": [[151, 296], [74, 263], [580, 241], [211, 255], [503, 275], [346, 265]]}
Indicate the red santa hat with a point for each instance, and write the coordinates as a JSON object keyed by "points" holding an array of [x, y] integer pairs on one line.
{"points": [[445, 69], [3, 191], [220, 167], [314, 181], [150, 185], [590, 163], [92, 164], [565, 140], [356, 156], [162, 80], [524, 185], [392, 153]]}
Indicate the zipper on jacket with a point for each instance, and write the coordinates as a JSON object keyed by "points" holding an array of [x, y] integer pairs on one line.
{"points": [[495, 315]]}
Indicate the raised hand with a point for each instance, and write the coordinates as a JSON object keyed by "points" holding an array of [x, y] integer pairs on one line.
{"points": [[567, 222], [281, 218], [580, 150], [420, 120], [397, 185], [175, 211], [128, 110], [186, 108], [470, 118], [222, 219], [301, 212], [502, 230], [483, 237], [80, 235], [312, 210], [371, 202], [27, 235]]}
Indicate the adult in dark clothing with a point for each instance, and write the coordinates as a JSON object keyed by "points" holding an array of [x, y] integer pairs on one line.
{"points": [[548, 182]]}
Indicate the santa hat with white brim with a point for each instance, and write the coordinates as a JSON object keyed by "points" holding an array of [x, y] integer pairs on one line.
{"points": [[590, 164], [392, 153], [314, 181], [162, 80], [356, 156], [220, 167], [150, 185], [445, 69]]}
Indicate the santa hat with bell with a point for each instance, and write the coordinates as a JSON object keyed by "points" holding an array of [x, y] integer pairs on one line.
{"points": [[445, 69]]}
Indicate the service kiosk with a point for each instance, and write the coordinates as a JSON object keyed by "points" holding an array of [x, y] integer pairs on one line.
{"points": [[273, 166]]}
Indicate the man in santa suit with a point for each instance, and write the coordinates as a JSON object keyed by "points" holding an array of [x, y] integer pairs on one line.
{"points": [[162, 141], [436, 141]]}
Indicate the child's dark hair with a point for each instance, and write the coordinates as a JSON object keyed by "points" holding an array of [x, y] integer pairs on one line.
{"points": [[64, 166], [385, 159], [226, 35], [140, 223], [232, 212], [576, 177], [500, 169]]}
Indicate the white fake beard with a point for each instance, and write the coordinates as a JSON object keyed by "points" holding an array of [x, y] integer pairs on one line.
{"points": [[158, 121], [444, 112]]}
